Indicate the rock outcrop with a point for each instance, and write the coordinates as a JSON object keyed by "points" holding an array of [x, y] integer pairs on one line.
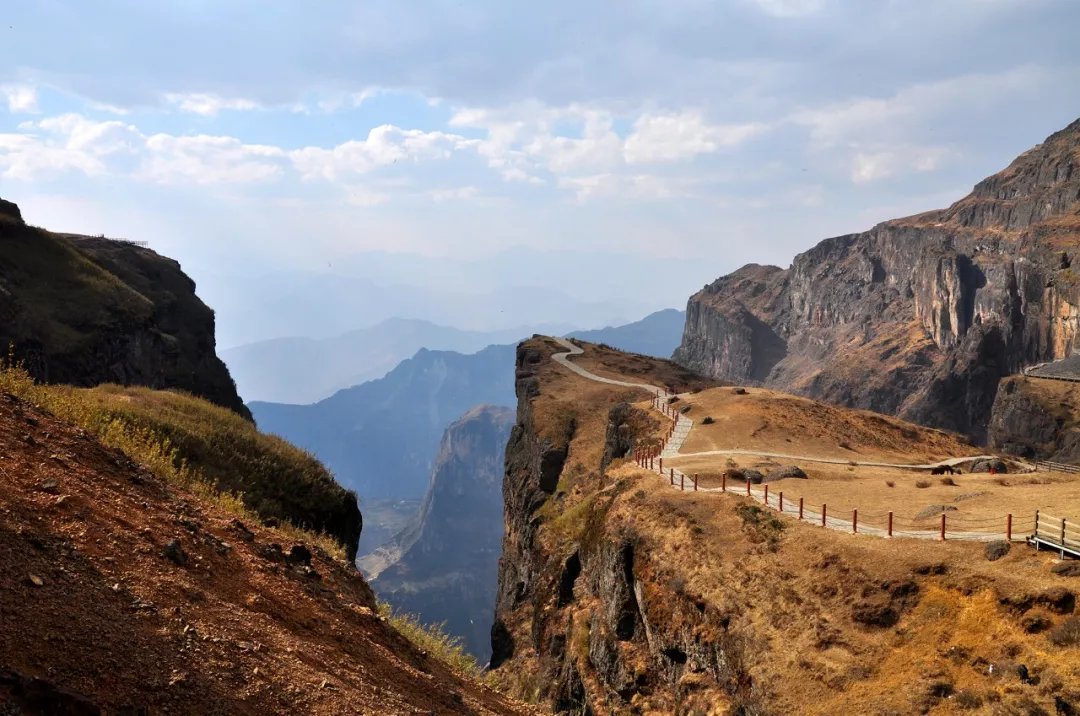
{"points": [[919, 317], [443, 567], [84, 311]]}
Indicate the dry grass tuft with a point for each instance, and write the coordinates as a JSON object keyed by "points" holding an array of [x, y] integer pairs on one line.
{"points": [[432, 638], [181, 439]]}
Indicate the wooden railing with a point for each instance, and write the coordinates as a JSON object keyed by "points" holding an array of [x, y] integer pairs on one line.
{"points": [[1056, 533], [1051, 466]]}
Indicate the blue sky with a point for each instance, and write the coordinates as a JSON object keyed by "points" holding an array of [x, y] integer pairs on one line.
{"points": [[474, 146]]}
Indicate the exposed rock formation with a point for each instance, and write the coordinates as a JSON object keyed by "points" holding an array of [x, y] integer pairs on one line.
{"points": [[919, 317], [1037, 418], [443, 567], [86, 311]]}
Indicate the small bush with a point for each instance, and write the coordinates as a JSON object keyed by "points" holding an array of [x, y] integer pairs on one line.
{"points": [[844, 445], [948, 481], [890, 483], [967, 700], [673, 399], [1067, 633], [922, 484], [762, 525], [707, 420]]}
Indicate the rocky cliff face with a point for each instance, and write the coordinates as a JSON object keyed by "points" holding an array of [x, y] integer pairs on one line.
{"points": [[86, 311], [918, 317], [443, 567]]}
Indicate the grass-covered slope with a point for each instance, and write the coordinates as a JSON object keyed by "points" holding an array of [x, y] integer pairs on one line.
{"points": [[85, 311], [189, 440]]}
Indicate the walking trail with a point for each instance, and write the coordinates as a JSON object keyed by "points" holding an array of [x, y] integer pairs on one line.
{"points": [[676, 478]]}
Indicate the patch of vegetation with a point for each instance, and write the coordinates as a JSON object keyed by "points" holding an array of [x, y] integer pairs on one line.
{"points": [[948, 482], [707, 420], [1067, 633], [65, 297], [433, 639], [922, 484], [762, 525], [209, 450]]}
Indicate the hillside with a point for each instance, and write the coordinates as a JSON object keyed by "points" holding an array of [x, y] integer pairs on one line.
{"points": [[85, 311], [125, 593], [443, 566], [657, 334], [918, 317], [619, 593], [380, 438]]}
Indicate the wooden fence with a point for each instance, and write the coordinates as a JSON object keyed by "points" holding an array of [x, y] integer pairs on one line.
{"points": [[1049, 466], [1056, 533]]}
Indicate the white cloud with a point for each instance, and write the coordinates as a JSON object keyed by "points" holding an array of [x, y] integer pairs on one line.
{"points": [[383, 146], [680, 136], [208, 105], [460, 194], [21, 99], [867, 167], [206, 159]]}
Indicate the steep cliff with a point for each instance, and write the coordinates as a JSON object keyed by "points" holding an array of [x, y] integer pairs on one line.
{"points": [[919, 317], [618, 594], [443, 566], [85, 311]]}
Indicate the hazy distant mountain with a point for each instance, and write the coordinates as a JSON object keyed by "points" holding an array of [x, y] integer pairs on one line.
{"points": [[305, 370], [322, 305], [380, 438], [443, 565], [658, 334]]}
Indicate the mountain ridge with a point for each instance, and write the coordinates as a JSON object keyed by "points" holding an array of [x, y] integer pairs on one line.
{"points": [[919, 316]]}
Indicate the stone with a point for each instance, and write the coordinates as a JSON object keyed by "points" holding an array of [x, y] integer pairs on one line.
{"points": [[50, 485], [995, 464], [298, 554], [1067, 569], [997, 549], [786, 471], [174, 551], [272, 552], [36, 580], [752, 476], [240, 528]]}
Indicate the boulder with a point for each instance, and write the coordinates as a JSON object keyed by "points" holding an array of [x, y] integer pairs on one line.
{"points": [[175, 552], [994, 464], [786, 471], [1067, 569], [997, 549], [753, 476]]}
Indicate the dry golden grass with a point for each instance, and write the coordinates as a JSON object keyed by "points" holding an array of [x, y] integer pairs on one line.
{"points": [[784, 610], [777, 422]]}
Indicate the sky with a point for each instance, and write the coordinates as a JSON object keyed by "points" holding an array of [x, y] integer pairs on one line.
{"points": [[620, 154]]}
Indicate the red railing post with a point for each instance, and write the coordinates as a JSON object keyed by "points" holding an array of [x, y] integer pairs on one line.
{"points": [[942, 537], [766, 495], [824, 509], [661, 466], [890, 524], [800, 508], [855, 521], [671, 478], [748, 487], [695, 482], [682, 481], [781, 507], [723, 482], [1008, 527]]}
